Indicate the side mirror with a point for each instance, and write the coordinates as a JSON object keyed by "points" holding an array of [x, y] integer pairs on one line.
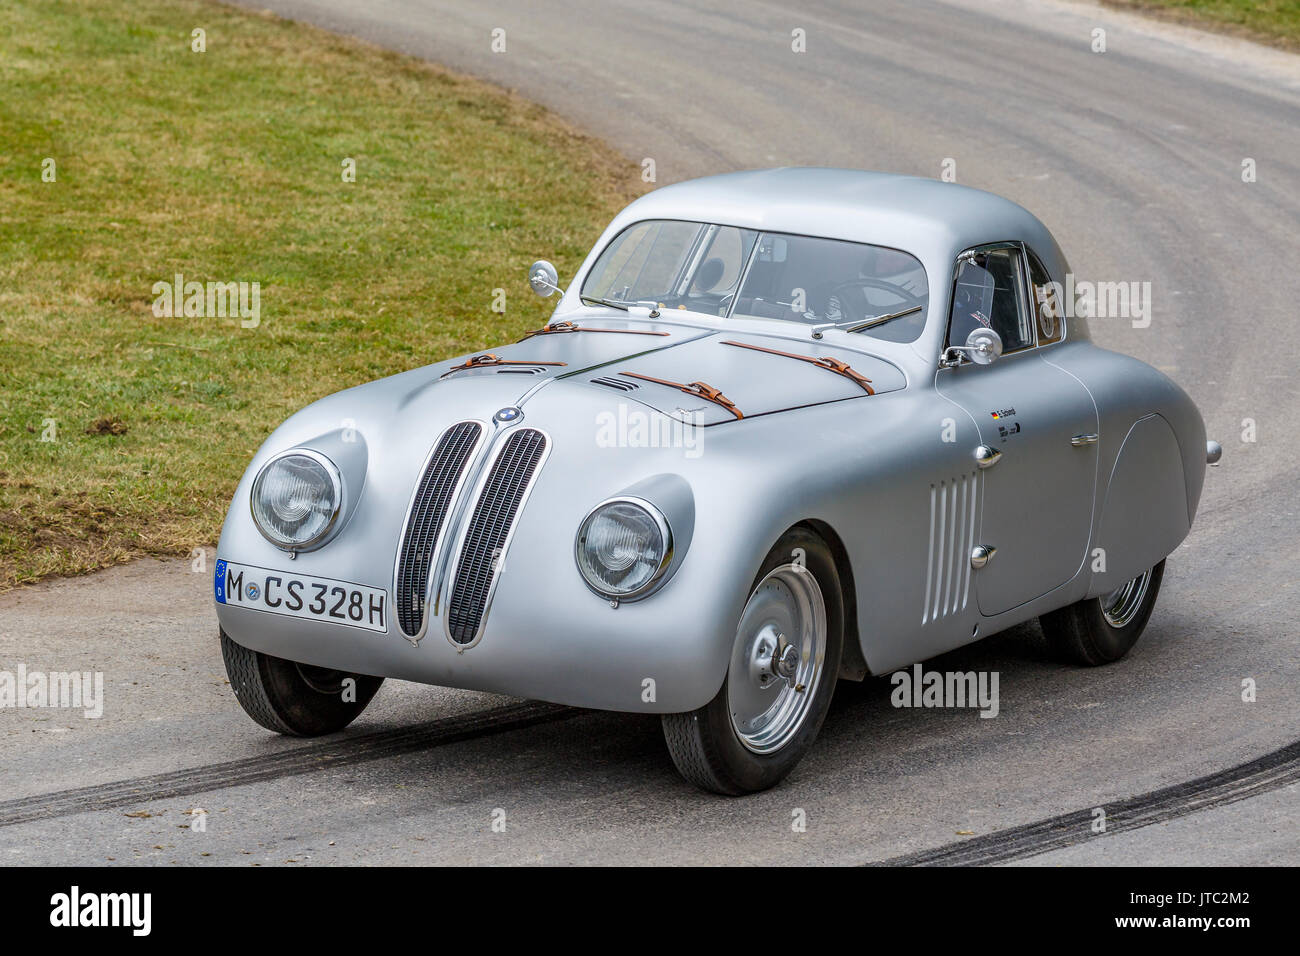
{"points": [[544, 279], [984, 346]]}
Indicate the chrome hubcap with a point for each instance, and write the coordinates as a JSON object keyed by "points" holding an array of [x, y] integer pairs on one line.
{"points": [[777, 662], [772, 658], [1121, 605]]}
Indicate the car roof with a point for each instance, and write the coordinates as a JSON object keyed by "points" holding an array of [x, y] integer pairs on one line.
{"points": [[931, 219]]}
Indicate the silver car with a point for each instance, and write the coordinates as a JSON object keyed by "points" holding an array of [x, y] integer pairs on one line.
{"points": [[785, 427]]}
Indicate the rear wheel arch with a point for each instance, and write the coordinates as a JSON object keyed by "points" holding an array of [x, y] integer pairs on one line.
{"points": [[1144, 513]]}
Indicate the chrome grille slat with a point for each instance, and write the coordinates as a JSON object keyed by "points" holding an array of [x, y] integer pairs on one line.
{"points": [[488, 528], [424, 522]]}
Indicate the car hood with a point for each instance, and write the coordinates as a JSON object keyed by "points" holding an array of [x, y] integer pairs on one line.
{"points": [[696, 375], [722, 377], [596, 371]]}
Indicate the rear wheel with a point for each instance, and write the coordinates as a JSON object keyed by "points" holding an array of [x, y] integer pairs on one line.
{"points": [[1103, 629], [783, 669], [295, 699]]}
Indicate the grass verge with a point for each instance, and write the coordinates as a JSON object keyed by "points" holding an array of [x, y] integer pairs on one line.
{"points": [[1275, 22], [122, 433]]}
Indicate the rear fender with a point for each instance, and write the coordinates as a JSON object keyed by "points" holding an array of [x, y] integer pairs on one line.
{"points": [[1146, 514]]}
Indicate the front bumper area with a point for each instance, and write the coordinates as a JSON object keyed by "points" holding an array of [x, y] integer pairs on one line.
{"points": [[565, 646]]}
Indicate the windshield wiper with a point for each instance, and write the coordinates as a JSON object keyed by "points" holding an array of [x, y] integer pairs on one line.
{"points": [[619, 304], [612, 303], [858, 325], [597, 300]]}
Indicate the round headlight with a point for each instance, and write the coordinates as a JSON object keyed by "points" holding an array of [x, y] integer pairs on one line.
{"points": [[296, 498], [624, 546]]}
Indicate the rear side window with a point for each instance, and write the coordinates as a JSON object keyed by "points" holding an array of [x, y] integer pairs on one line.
{"points": [[1046, 302], [989, 292]]}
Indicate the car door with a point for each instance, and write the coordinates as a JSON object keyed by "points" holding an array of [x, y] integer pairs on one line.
{"points": [[1038, 431]]}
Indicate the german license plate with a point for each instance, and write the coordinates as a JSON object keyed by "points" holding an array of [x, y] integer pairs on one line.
{"points": [[301, 595]]}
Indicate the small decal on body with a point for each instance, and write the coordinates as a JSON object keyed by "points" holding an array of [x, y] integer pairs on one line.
{"points": [[1006, 428]]}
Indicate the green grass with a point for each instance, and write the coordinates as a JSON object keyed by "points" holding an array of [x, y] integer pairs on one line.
{"points": [[226, 166], [1269, 21]]}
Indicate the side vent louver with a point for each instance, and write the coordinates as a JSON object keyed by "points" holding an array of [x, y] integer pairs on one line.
{"points": [[953, 509], [424, 523], [490, 525]]}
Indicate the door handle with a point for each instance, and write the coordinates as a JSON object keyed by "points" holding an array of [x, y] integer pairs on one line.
{"points": [[1078, 441], [986, 456]]}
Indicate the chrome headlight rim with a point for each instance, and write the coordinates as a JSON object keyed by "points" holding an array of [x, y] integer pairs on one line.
{"points": [[657, 579], [336, 482]]}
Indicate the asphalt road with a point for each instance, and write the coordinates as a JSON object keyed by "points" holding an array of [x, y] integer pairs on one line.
{"points": [[1133, 157]]}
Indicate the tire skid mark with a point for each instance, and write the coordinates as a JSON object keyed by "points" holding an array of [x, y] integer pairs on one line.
{"points": [[322, 756], [1269, 772]]}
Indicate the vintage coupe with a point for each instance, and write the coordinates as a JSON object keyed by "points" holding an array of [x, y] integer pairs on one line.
{"points": [[784, 427]]}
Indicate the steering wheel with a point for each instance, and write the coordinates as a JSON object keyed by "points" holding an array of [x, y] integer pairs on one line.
{"points": [[908, 299]]}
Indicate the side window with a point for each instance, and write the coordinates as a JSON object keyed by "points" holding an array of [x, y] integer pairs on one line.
{"points": [[990, 292], [1046, 297]]}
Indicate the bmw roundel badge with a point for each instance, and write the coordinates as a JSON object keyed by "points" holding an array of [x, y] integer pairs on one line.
{"points": [[507, 415]]}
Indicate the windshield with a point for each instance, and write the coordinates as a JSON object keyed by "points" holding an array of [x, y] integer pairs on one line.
{"points": [[732, 272]]}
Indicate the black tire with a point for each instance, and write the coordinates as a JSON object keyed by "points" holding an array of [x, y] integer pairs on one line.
{"points": [[1081, 634], [290, 698], [703, 743]]}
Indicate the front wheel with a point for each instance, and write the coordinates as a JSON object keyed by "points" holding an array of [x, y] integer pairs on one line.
{"points": [[784, 664], [295, 699], [1103, 629]]}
